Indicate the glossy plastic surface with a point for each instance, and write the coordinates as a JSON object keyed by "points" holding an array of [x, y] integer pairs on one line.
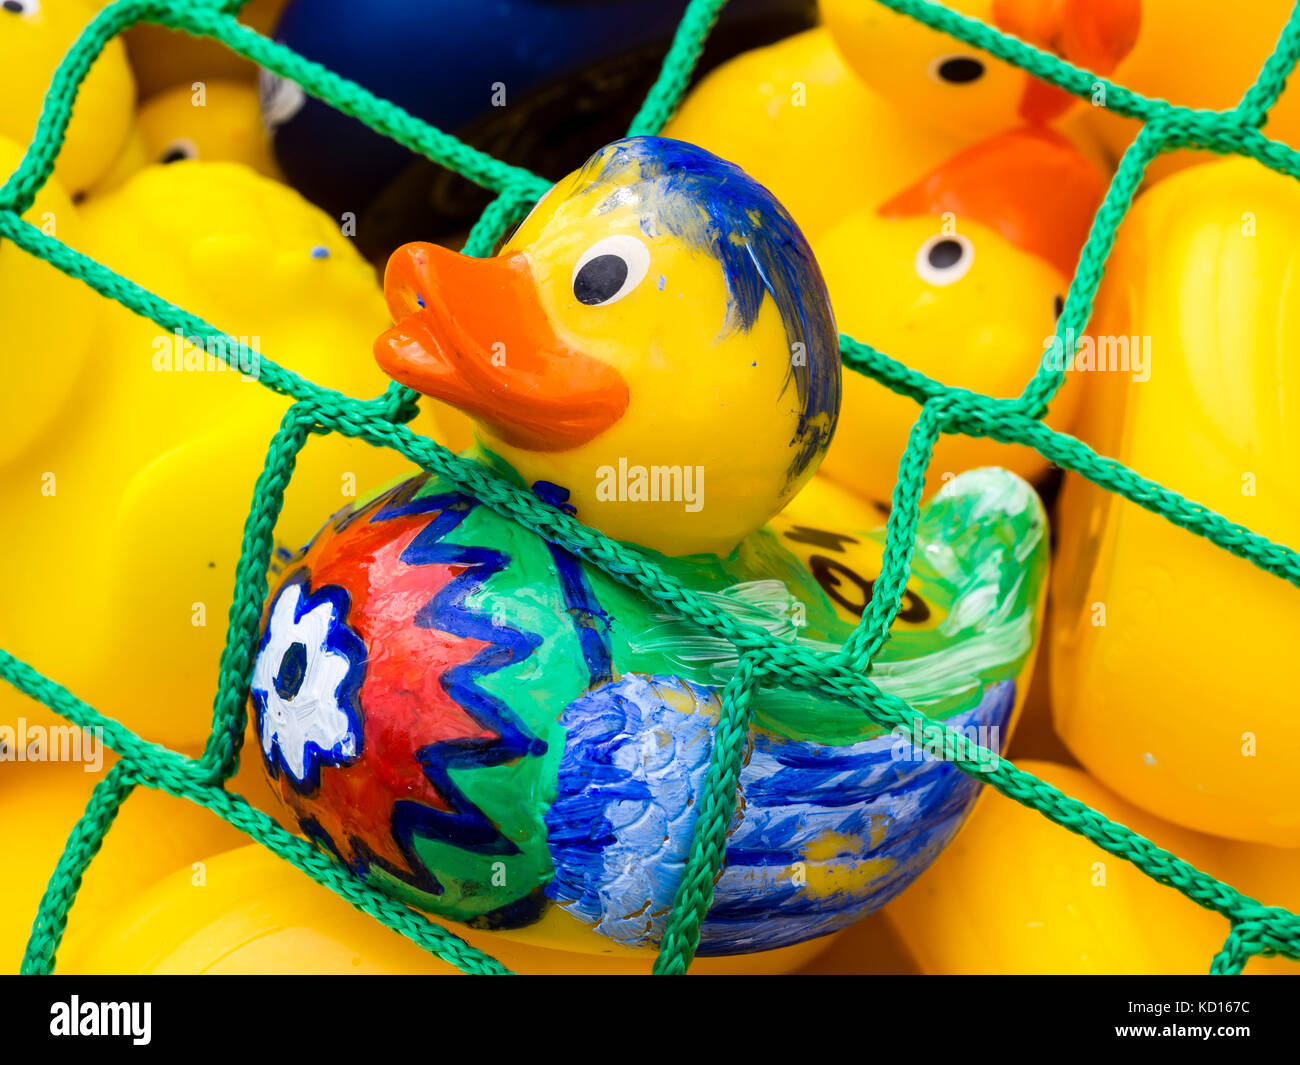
{"points": [[33, 39], [257, 914], [1017, 894], [154, 835], [1172, 658]]}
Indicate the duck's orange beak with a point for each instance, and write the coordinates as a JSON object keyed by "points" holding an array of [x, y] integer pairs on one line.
{"points": [[1094, 34], [473, 333], [1030, 184]]}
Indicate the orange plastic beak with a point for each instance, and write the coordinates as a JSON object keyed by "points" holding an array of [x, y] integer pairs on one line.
{"points": [[1094, 34], [1029, 184], [472, 333]]}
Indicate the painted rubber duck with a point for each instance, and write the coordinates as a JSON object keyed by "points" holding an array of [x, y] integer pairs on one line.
{"points": [[1195, 390], [144, 470], [34, 37], [494, 731], [962, 277], [845, 116]]}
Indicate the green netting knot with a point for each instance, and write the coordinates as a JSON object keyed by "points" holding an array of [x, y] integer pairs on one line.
{"points": [[1267, 931]]}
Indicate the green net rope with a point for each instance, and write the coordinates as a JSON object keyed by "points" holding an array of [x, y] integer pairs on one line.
{"points": [[844, 675]]}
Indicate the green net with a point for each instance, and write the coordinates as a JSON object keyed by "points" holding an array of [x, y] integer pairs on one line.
{"points": [[843, 675]]}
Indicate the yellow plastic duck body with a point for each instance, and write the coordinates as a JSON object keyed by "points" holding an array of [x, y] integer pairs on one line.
{"points": [[144, 470], [1171, 656], [34, 37], [492, 730]]}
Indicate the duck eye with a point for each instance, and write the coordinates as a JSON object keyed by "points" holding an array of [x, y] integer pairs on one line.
{"points": [[181, 148], [944, 259], [609, 270], [956, 69], [21, 7]]}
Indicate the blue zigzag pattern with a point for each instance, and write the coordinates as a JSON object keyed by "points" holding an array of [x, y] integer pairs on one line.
{"points": [[465, 825]]}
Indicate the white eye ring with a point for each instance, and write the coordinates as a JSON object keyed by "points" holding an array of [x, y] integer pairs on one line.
{"points": [[601, 284], [935, 262]]}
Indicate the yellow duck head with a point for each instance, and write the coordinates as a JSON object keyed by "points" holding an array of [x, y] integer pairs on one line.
{"points": [[656, 338], [960, 276], [220, 121], [947, 83], [34, 37]]}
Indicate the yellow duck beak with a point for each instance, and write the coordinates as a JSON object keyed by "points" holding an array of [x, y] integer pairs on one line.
{"points": [[473, 333]]}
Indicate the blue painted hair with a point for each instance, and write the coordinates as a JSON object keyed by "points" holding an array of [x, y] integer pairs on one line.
{"points": [[718, 208]]}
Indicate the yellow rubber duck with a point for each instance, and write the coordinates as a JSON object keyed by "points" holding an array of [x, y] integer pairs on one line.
{"points": [[846, 115], [34, 37], [1052, 902], [218, 121], [960, 277], [937, 80], [153, 835], [129, 494], [256, 915], [487, 728], [1171, 657], [1229, 54]]}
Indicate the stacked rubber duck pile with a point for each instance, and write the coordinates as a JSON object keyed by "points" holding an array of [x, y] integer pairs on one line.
{"points": [[523, 729]]}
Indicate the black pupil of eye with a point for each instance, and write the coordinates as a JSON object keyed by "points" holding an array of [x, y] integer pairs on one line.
{"points": [[945, 253], [600, 279], [292, 671], [960, 70], [175, 155], [15, 6]]}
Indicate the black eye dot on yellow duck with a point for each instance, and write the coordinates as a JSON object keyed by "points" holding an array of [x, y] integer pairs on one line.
{"points": [[943, 259], [956, 69], [609, 270]]}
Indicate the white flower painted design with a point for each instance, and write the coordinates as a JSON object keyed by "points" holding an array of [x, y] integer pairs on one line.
{"points": [[305, 680]]}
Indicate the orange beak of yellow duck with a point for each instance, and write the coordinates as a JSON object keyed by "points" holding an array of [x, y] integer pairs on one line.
{"points": [[473, 333], [1094, 34]]}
